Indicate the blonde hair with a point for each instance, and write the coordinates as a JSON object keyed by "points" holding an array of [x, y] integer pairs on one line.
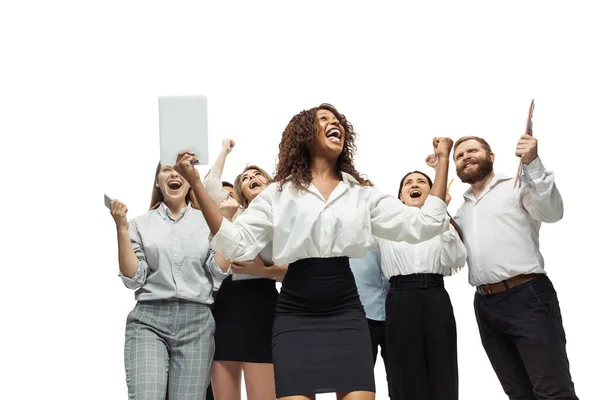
{"points": [[237, 184], [157, 195]]}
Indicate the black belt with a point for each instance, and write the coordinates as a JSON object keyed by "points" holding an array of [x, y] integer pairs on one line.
{"points": [[417, 281]]}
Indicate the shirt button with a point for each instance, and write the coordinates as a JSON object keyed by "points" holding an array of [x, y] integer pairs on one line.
{"points": [[175, 255], [325, 232]]}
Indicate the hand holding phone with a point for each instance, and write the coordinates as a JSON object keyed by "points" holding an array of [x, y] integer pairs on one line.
{"points": [[118, 212]]}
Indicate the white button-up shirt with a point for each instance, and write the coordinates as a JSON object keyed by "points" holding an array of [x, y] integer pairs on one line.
{"points": [[444, 254], [174, 257], [501, 228], [302, 224]]}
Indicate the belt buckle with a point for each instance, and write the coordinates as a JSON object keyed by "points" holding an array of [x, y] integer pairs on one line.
{"points": [[484, 290]]}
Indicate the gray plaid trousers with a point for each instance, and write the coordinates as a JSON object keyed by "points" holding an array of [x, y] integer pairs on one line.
{"points": [[169, 348]]}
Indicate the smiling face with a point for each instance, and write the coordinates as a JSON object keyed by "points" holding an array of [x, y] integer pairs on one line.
{"points": [[329, 140], [252, 182], [473, 162], [172, 185], [414, 189]]}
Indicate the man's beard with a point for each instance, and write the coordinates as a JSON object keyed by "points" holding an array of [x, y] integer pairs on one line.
{"points": [[476, 174]]}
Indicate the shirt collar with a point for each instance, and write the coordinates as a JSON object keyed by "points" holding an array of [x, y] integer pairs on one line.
{"points": [[164, 211], [346, 178], [498, 178]]}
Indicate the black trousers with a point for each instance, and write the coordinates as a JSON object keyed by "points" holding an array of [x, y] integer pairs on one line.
{"points": [[377, 331], [522, 333], [421, 339]]}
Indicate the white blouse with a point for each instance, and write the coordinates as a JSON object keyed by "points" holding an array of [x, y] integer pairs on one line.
{"points": [[302, 224], [444, 254]]}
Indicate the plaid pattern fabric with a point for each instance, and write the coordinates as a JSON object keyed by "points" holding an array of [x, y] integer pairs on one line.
{"points": [[169, 347]]}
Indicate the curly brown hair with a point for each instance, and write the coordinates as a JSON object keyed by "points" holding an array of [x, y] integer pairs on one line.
{"points": [[296, 144]]}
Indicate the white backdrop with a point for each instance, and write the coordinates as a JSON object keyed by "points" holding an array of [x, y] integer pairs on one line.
{"points": [[79, 84]]}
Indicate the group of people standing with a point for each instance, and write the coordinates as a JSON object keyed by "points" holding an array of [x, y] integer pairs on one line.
{"points": [[359, 270]]}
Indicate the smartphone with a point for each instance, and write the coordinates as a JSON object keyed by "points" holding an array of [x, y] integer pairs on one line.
{"points": [[107, 201]]}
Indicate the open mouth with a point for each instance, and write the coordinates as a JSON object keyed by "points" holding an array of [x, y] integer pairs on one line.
{"points": [[415, 193], [334, 135], [174, 185], [469, 165], [254, 184]]}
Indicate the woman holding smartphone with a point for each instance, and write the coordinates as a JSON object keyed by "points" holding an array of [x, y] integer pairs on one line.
{"points": [[165, 256]]}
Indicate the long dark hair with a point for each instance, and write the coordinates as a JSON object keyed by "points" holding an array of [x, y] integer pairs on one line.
{"points": [[410, 173]]}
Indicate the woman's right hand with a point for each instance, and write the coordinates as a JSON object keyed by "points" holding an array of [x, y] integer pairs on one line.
{"points": [[118, 211], [227, 146], [229, 207]]}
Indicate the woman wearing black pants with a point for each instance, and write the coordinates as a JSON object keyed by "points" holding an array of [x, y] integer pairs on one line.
{"points": [[420, 326]]}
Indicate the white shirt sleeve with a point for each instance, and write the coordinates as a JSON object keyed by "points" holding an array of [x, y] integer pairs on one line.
{"points": [[139, 278], [454, 253], [539, 196], [213, 185], [375, 245], [251, 231], [393, 220], [213, 267]]}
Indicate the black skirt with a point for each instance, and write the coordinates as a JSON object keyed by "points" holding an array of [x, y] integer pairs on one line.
{"points": [[321, 341], [243, 312]]}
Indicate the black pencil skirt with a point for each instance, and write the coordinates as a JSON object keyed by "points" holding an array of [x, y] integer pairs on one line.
{"points": [[321, 340], [243, 312]]}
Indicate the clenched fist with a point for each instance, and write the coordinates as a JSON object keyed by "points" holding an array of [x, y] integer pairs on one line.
{"points": [[432, 161], [229, 207], [442, 147], [227, 146]]}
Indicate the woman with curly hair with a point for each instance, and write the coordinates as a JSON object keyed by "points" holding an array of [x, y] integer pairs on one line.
{"points": [[319, 213]]}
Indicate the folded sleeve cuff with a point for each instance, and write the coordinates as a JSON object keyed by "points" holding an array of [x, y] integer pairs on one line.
{"points": [[534, 170], [435, 208], [226, 239], [450, 235], [137, 280]]}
